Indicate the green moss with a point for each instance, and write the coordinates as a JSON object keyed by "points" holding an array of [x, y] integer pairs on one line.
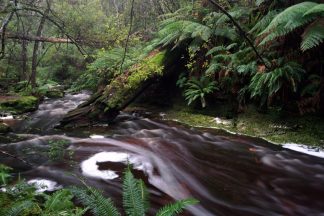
{"points": [[54, 94], [308, 130], [126, 85], [18, 105]]}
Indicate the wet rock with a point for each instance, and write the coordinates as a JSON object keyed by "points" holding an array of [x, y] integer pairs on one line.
{"points": [[18, 104], [4, 128]]}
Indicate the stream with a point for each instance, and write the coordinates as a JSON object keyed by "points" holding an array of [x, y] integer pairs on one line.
{"points": [[230, 175]]}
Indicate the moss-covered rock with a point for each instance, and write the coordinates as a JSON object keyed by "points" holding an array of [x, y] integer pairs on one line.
{"points": [[4, 128], [19, 104], [52, 90], [54, 93]]}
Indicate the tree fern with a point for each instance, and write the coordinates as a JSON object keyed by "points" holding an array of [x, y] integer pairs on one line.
{"points": [[95, 201], [294, 17], [264, 21], [176, 208], [313, 35]]}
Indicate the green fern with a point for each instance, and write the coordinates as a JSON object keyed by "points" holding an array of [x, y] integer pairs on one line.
{"points": [[176, 208], [22, 207], [198, 89], [95, 201], [294, 17], [134, 195], [271, 82], [313, 35], [264, 21], [60, 203]]}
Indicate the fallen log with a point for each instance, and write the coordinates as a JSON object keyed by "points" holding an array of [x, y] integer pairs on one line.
{"points": [[106, 104]]}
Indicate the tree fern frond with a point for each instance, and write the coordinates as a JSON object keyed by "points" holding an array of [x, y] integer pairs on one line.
{"points": [[226, 32], [176, 208], [236, 13], [290, 14], [95, 201], [265, 21], [313, 35], [216, 49], [317, 10]]}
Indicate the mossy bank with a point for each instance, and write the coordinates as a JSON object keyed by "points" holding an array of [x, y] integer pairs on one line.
{"points": [[18, 104], [273, 126]]}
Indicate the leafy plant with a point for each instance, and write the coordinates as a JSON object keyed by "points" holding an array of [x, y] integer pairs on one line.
{"points": [[266, 84], [306, 14], [198, 89], [135, 200], [21, 199], [4, 174], [57, 149]]}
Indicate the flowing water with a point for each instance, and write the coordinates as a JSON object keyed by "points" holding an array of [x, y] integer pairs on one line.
{"points": [[230, 175]]}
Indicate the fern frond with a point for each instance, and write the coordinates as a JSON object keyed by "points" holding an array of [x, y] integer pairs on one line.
{"points": [[216, 49], [59, 201], [236, 13], [290, 14], [313, 35], [176, 208], [264, 21], [289, 20], [134, 197], [317, 10], [19, 208], [95, 201]]}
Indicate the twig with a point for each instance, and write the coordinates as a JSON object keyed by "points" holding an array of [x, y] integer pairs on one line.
{"points": [[242, 32], [128, 36], [15, 157]]}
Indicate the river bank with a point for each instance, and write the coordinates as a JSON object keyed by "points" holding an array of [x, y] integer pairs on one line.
{"points": [[272, 126]]}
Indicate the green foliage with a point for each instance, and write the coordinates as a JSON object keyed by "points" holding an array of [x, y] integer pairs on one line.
{"points": [[60, 204], [135, 197], [198, 89], [21, 199], [25, 207], [95, 201], [4, 174], [126, 84], [58, 149], [266, 84], [313, 34], [135, 200], [176, 208], [19, 104], [307, 14]]}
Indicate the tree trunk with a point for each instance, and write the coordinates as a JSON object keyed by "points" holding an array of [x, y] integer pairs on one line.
{"points": [[24, 59], [36, 47], [105, 105]]}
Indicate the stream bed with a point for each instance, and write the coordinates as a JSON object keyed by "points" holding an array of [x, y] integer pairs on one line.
{"points": [[228, 174]]}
